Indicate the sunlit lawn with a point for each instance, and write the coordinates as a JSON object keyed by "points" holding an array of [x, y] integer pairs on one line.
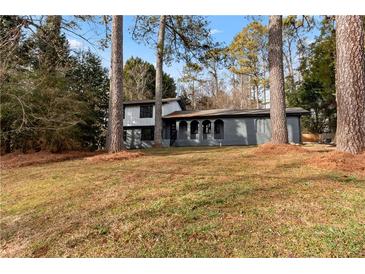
{"points": [[183, 202]]}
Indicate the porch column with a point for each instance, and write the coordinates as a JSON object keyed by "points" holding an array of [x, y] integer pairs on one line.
{"points": [[188, 130], [177, 129], [200, 131], [211, 137]]}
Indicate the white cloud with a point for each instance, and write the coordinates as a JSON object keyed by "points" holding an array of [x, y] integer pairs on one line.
{"points": [[215, 31], [75, 44]]}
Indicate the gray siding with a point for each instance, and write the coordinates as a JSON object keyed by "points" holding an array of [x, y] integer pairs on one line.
{"points": [[242, 131], [236, 131]]}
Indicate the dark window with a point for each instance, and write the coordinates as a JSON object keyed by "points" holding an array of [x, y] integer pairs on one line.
{"points": [[146, 111], [123, 112], [147, 134], [183, 129], [124, 135], [206, 127], [218, 129], [194, 129]]}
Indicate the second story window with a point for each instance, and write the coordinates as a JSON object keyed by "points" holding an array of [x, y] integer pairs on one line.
{"points": [[123, 112], [145, 111]]}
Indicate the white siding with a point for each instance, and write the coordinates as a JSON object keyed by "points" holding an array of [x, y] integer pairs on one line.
{"points": [[170, 107], [132, 114]]}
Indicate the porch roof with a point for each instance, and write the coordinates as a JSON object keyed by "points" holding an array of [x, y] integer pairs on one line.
{"points": [[152, 101], [215, 113]]}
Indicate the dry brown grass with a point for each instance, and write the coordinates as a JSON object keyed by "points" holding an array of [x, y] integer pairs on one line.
{"points": [[184, 202], [340, 161], [123, 155], [274, 149], [19, 159]]}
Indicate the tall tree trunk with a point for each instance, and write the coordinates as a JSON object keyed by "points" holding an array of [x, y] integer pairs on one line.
{"points": [[193, 97], [350, 84], [243, 94], [115, 123], [264, 67], [159, 72], [289, 62], [277, 95], [216, 82]]}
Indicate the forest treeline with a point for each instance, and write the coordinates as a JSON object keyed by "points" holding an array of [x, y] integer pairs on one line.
{"points": [[309, 51], [55, 98]]}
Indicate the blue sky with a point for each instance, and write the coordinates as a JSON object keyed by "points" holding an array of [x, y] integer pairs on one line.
{"points": [[224, 28]]}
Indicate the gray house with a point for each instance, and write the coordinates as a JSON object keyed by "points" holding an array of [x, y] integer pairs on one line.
{"points": [[212, 127]]}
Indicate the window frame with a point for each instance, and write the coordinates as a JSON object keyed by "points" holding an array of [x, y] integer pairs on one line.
{"points": [[145, 111]]}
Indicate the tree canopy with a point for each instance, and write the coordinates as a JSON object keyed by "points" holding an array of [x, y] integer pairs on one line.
{"points": [[316, 91], [140, 81], [249, 56], [187, 37], [50, 98]]}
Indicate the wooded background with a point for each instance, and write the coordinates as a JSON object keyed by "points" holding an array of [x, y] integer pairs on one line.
{"points": [[54, 98]]}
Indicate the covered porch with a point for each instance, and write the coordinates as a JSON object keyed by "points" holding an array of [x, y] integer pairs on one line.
{"points": [[186, 132]]}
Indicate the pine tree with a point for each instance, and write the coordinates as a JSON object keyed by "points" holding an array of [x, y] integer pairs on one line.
{"points": [[350, 84], [277, 96], [178, 37], [115, 123], [158, 93], [248, 54]]}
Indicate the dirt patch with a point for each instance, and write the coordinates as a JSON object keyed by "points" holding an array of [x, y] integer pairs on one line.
{"points": [[340, 161], [18, 159], [123, 155], [274, 149]]}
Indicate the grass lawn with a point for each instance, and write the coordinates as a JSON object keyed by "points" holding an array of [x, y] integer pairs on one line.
{"points": [[183, 202]]}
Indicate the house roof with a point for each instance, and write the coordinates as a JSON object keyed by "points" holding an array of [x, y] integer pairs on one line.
{"points": [[231, 113], [143, 102]]}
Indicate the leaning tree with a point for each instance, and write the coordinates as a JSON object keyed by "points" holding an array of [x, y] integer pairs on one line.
{"points": [[350, 84], [178, 38], [277, 95]]}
